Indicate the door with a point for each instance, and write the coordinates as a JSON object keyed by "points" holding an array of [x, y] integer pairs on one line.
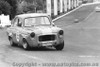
{"points": [[16, 33]]}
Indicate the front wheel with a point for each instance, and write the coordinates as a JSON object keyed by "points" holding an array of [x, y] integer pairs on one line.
{"points": [[11, 42], [25, 45], [60, 46]]}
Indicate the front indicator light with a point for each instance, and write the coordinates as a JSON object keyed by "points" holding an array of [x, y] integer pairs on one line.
{"points": [[61, 32], [32, 34]]}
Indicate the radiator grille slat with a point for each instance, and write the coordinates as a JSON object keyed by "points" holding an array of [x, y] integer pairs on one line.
{"points": [[46, 38]]}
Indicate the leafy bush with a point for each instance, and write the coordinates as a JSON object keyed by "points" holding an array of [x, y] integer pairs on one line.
{"points": [[5, 8], [13, 4]]}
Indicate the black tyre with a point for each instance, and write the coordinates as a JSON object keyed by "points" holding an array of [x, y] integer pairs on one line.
{"points": [[60, 46], [11, 42], [25, 45]]}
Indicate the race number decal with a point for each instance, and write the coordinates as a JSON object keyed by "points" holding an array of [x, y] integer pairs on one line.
{"points": [[10, 34], [17, 37]]}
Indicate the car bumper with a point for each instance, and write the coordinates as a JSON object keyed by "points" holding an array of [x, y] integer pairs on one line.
{"points": [[36, 43], [47, 43]]}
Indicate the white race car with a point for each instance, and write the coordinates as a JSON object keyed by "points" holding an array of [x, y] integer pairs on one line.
{"points": [[35, 30]]}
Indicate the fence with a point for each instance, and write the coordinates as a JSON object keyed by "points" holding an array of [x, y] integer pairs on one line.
{"points": [[58, 7], [4, 20]]}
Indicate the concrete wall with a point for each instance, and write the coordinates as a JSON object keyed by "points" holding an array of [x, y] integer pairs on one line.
{"points": [[60, 6], [96, 0]]}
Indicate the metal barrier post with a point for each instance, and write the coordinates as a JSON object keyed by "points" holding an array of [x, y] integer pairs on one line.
{"points": [[65, 5], [48, 3], [55, 7]]}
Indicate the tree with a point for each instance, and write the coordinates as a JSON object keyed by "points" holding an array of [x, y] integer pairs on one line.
{"points": [[5, 8], [29, 9], [25, 7], [13, 4], [39, 4], [29, 1]]}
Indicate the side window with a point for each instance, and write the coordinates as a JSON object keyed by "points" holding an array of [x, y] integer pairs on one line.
{"points": [[15, 21], [46, 20]]}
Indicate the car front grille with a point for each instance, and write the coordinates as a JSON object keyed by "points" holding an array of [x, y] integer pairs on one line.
{"points": [[46, 38]]}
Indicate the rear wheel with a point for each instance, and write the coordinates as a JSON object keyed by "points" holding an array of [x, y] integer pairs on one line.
{"points": [[25, 45], [60, 46]]}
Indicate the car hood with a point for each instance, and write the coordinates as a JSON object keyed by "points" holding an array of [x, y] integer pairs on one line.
{"points": [[43, 29]]}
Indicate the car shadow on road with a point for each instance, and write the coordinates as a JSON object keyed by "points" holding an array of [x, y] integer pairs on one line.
{"points": [[42, 49], [33, 48]]}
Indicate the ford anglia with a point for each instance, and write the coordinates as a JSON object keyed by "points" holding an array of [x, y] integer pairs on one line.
{"points": [[35, 30]]}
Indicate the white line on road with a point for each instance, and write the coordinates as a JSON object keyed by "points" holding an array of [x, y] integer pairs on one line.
{"points": [[67, 13], [32, 57], [28, 56], [79, 22], [74, 10], [89, 15], [88, 56]]}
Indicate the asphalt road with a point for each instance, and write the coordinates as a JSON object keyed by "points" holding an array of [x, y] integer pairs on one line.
{"points": [[82, 46]]}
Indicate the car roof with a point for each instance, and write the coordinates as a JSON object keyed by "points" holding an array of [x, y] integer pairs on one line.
{"points": [[32, 15]]}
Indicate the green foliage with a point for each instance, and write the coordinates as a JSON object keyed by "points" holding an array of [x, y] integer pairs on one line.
{"points": [[29, 1], [29, 8], [13, 7], [5, 8], [39, 4], [13, 4], [25, 7]]}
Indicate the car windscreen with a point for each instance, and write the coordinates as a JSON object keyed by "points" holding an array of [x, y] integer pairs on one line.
{"points": [[31, 21]]}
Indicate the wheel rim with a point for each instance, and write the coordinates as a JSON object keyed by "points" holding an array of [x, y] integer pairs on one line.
{"points": [[25, 45]]}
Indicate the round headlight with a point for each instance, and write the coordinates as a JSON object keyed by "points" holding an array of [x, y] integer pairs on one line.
{"points": [[32, 34], [61, 32]]}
